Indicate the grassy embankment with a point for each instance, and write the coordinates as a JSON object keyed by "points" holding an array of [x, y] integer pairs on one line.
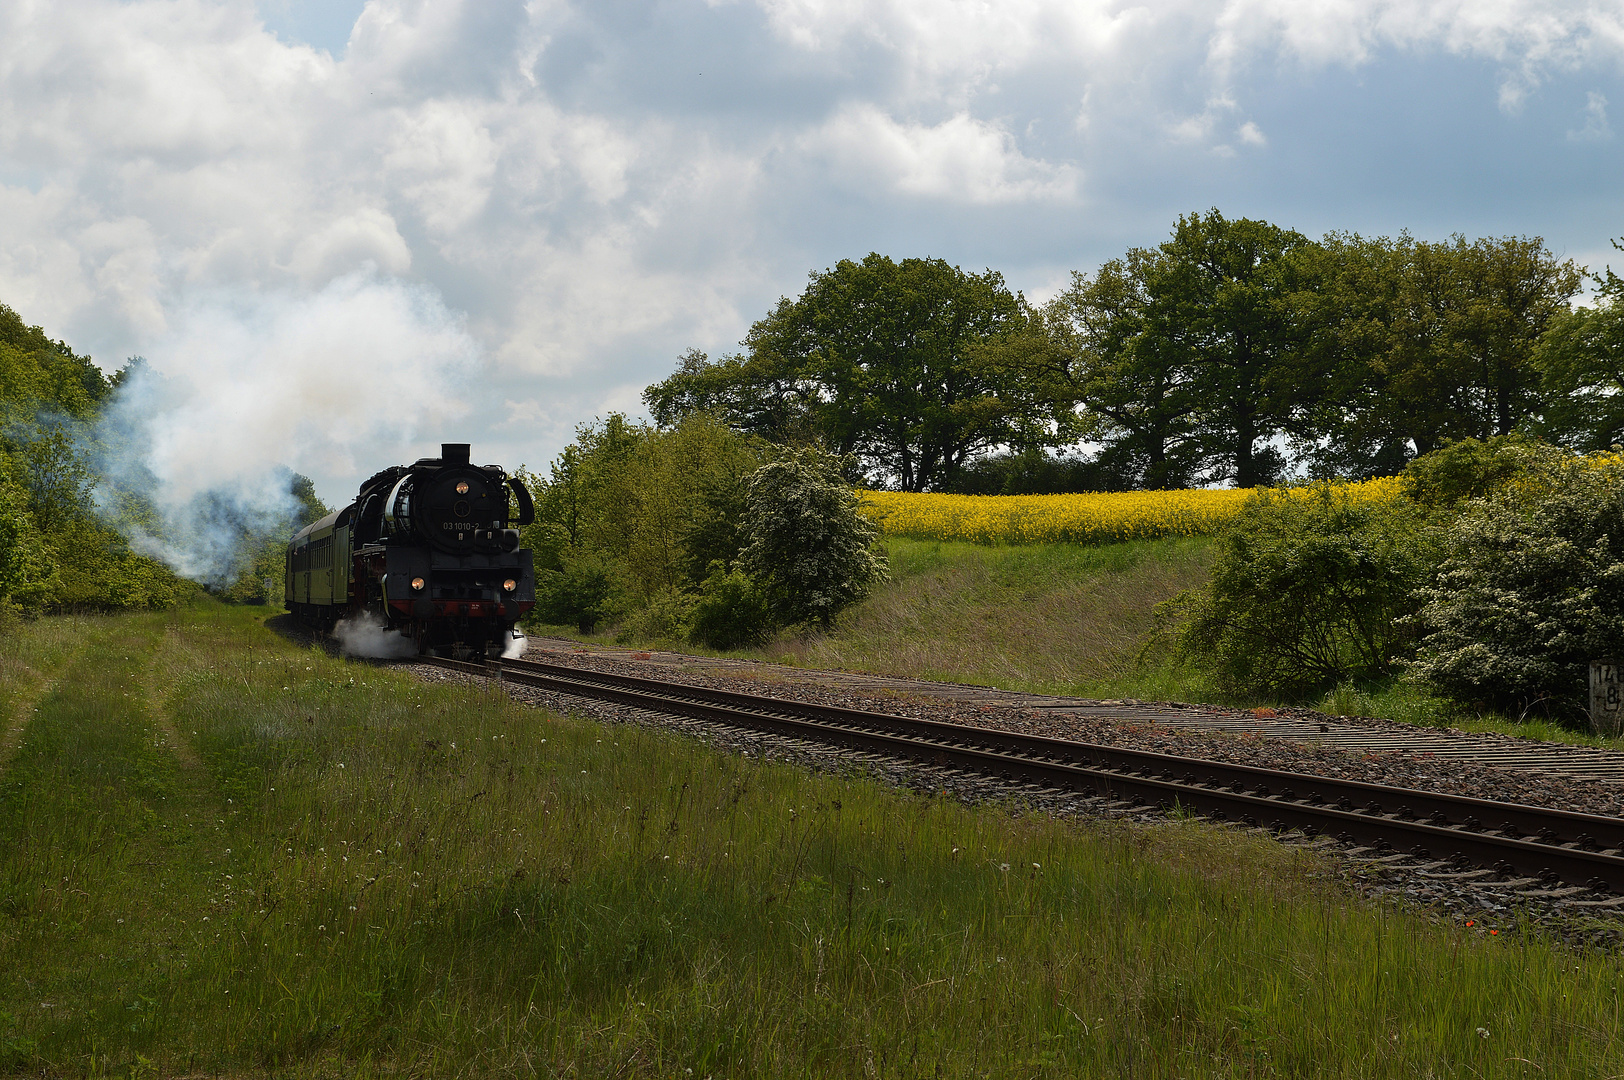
{"points": [[1047, 618], [1051, 618], [223, 852], [1064, 619]]}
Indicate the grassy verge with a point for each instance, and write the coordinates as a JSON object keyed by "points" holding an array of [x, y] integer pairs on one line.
{"points": [[223, 853], [1407, 704], [1060, 618], [1047, 618], [1063, 619]]}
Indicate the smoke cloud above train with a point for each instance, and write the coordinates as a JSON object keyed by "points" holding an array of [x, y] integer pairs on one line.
{"points": [[211, 427]]}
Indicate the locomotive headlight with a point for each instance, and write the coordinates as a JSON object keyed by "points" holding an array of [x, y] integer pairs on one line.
{"points": [[417, 584], [509, 585], [462, 487]]}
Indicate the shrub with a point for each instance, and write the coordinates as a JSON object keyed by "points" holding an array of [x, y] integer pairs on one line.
{"points": [[1471, 469], [732, 611], [1530, 591], [582, 594], [1033, 472], [809, 543], [663, 619], [1308, 590], [106, 575]]}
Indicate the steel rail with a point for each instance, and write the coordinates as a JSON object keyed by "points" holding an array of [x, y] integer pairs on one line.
{"points": [[1583, 849]]}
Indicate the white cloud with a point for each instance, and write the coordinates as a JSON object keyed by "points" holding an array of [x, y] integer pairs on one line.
{"points": [[1528, 38], [952, 48], [191, 150], [961, 159], [1595, 127], [555, 172], [1202, 128], [442, 158], [938, 44]]}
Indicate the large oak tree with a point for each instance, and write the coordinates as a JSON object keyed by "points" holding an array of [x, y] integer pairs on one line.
{"points": [[902, 364], [1181, 352]]}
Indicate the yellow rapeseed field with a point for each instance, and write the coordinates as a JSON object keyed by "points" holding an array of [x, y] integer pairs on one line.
{"points": [[1084, 518]]}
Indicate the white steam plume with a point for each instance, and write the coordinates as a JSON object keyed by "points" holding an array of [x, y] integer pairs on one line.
{"points": [[241, 393], [515, 646], [365, 636]]}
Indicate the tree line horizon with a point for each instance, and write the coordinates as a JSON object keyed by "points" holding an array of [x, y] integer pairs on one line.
{"points": [[1234, 352]]}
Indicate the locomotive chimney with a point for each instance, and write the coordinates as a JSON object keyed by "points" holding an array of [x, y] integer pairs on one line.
{"points": [[454, 453]]}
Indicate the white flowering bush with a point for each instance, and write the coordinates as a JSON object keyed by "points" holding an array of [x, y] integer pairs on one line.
{"points": [[810, 547], [1531, 589]]}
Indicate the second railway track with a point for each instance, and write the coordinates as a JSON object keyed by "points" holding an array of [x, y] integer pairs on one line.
{"points": [[1535, 843]]}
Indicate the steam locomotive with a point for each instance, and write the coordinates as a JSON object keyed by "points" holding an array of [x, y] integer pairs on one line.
{"points": [[425, 549]]}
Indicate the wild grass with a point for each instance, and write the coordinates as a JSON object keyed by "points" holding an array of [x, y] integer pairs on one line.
{"points": [[1394, 699], [31, 653], [222, 853], [1048, 618]]}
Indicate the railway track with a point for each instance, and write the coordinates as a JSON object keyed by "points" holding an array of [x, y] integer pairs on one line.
{"points": [[1531, 845], [1362, 736]]}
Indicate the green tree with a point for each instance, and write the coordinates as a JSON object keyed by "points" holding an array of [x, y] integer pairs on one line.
{"points": [[1224, 289], [899, 364], [762, 394], [1414, 345], [1344, 421], [1581, 361], [57, 473], [810, 547], [60, 551], [1184, 355], [37, 373], [633, 516], [28, 573], [1135, 384]]}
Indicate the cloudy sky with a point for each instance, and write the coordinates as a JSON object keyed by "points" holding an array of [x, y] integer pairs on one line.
{"points": [[343, 231]]}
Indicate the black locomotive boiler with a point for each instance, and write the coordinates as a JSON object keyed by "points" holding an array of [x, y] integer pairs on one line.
{"points": [[425, 549]]}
